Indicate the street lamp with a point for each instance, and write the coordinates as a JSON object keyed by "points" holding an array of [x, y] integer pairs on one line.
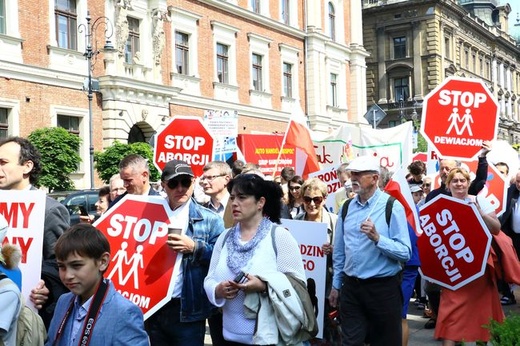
{"points": [[91, 52]]}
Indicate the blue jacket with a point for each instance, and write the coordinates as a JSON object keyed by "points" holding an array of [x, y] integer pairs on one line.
{"points": [[119, 322], [204, 228]]}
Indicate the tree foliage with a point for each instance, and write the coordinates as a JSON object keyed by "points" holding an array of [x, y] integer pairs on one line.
{"points": [[59, 150], [107, 162]]}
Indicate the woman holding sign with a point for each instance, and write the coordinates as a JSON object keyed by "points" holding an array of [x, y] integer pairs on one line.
{"points": [[314, 192], [250, 258], [462, 313]]}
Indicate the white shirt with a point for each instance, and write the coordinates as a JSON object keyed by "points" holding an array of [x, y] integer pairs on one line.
{"points": [[180, 219]]}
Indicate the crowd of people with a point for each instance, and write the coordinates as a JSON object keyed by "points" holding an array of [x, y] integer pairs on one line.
{"points": [[237, 260]]}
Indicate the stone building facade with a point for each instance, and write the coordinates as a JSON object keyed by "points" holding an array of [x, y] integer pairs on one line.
{"points": [[414, 45]]}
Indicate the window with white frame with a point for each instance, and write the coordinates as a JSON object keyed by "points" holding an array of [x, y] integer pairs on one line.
{"points": [[286, 11], [289, 74], [255, 5], [222, 63], [332, 21], [69, 123], [259, 50], [4, 123], [66, 23], [133, 40], [287, 79], [182, 53], [2, 17], [225, 48], [333, 89], [256, 60], [186, 24]]}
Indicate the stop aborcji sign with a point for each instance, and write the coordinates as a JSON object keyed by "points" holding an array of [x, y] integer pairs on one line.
{"points": [[142, 266], [458, 116], [455, 243], [184, 138]]}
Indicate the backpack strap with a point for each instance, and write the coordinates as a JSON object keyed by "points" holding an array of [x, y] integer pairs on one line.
{"points": [[388, 209], [344, 208]]}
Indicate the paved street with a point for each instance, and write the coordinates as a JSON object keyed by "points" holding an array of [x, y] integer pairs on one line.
{"points": [[424, 337], [418, 335]]}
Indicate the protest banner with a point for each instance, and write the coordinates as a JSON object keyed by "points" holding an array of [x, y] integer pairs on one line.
{"points": [[264, 150], [223, 126], [25, 212], [310, 237], [392, 147]]}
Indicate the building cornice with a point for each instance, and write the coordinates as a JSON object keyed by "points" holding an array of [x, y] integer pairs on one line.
{"points": [[237, 11], [40, 75]]}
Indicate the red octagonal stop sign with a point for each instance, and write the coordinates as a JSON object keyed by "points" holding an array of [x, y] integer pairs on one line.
{"points": [[458, 116], [455, 243], [184, 138], [142, 267]]}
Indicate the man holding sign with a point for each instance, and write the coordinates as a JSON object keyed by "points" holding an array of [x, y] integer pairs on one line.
{"points": [[368, 253], [194, 231], [19, 170]]}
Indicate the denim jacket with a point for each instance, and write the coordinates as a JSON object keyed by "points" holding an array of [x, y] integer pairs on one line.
{"points": [[204, 228]]}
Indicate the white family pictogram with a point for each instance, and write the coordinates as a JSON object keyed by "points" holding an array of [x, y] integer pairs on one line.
{"points": [[463, 121], [135, 262]]}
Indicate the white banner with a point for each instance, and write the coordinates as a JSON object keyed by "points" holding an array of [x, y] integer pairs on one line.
{"points": [[392, 147], [25, 212], [310, 237]]}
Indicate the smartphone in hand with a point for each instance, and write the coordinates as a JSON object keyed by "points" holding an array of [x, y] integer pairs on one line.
{"points": [[240, 278]]}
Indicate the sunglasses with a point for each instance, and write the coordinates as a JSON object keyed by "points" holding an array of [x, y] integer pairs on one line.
{"points": [[173, 183], [316, 200], [294, 187], [426, 185]]}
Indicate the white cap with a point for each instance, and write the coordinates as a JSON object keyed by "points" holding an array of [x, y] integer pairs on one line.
{"points": [[415, 188], [364, 164]]}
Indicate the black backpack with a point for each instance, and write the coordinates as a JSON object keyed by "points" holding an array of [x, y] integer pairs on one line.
{"points": [[388, 209]]}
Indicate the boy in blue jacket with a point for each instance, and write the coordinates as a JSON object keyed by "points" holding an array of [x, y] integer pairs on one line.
{"points": [[93, 312]]}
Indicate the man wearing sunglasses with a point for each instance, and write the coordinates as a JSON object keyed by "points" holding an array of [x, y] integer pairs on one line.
{"points": [[182, 320], [367, 260]]}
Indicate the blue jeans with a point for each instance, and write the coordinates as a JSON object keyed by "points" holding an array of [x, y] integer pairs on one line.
{"points": [[166, 329]]}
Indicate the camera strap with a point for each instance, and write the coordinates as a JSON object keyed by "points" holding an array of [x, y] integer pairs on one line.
{"points": [[90, 319]]}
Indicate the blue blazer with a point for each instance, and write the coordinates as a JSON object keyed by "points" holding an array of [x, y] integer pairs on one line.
{"points": [[119, 322]]}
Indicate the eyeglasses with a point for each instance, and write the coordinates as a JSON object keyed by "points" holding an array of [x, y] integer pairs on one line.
{"points": [[316, 200], [294, 187], [210, 178], [173, 183]]}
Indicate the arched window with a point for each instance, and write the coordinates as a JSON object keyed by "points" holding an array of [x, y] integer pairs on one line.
{"points": [[332, 22]]}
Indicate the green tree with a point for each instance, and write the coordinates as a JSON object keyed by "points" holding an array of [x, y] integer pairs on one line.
{"points": [[422, 146], [59, 150], [107, 162]]}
